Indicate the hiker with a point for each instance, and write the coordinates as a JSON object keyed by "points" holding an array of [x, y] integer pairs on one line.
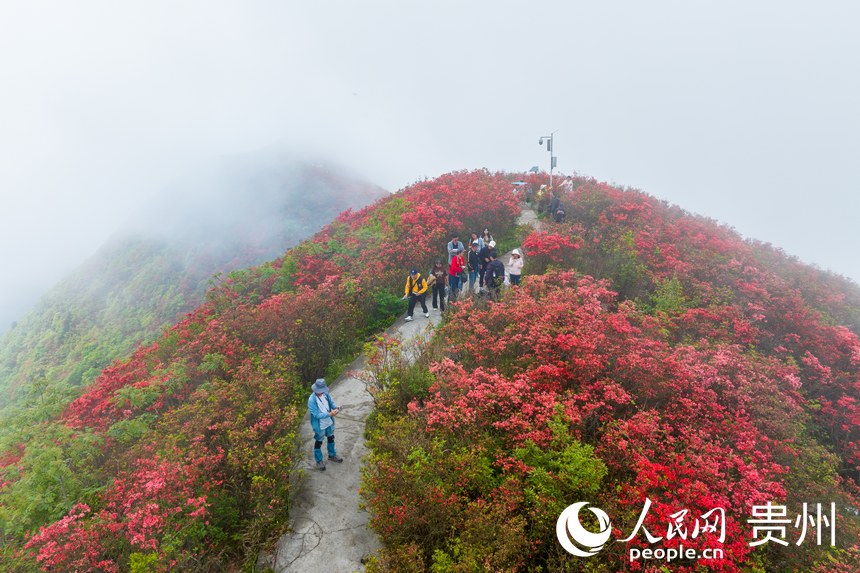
{"points": [[554, 204], [322, 411], [476, 238], [474, 264], [455, 274], [454, 247], [484, 254], [541, 197], [486, 237], [495, 276], [439, 278], [515, 267], [416, 287]]}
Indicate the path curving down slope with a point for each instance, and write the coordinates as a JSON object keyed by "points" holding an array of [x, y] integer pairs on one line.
{"points": [[328, 530]]}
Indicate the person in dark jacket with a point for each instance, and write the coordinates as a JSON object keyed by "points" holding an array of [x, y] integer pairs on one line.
{"points": [[554, 203], [440, 281], [494, 276], [474, 264], [484, 255]]}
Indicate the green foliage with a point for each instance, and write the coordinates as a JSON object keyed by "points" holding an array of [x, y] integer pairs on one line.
{"points": [[58, 469], [669, 297], [387, 306], [566, 470], [143, 562], [513, 239]]}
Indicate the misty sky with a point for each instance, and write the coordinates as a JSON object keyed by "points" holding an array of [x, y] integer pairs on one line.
{"points": [[744, 111]]}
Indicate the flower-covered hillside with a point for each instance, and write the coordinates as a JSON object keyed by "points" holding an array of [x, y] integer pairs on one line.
{"points": [[648, 355], [182, 456]]}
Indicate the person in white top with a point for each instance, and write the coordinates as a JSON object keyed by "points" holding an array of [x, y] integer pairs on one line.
{"points": [[515, 267]]}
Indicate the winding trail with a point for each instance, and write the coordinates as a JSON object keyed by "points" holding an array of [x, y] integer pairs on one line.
{"points": [[328, 530]]}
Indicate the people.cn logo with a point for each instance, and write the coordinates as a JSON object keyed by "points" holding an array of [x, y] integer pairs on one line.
{"points": [[568, 528]]}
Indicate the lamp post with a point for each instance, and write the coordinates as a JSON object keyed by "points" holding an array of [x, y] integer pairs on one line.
{"points": [[552, 158]]}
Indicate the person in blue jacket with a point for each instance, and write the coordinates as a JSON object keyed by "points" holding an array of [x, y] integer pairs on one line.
{"points": [[322, 412]]}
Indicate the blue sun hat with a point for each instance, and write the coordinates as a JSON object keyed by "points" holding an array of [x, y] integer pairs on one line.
{"points": [[319, 386]]}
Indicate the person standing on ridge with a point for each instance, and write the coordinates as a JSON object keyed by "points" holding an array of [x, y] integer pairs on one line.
{"points": [[495, 276], [454, 247], [554, 203], [486, 237], [439, 276], [476, 238], [515, 267], [484, 258], [455, 271], [416, 286], [474, 263], [322, 410]]}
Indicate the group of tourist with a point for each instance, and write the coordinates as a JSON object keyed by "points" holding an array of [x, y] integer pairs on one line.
{"points": [[478, 264]]}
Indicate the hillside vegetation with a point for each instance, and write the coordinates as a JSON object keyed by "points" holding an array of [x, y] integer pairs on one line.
{"points": [[649, 353], [160, 268], [181, 457]]}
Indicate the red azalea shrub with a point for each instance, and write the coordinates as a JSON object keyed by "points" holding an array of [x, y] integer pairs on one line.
{"points": [[689, 426], [729, 289], [220, 395]]}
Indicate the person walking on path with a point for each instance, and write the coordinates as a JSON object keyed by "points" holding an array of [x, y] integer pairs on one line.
{"points": [[515, 267], [495, 276], [416, 287], [474, 264], [454, 247], [322, 411], [484, 256], [439, 276], [455, 271]]}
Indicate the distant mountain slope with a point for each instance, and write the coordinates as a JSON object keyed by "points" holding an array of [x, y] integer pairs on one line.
{"points": [[160, 265]]}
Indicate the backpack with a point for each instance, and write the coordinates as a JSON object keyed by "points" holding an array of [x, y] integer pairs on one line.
{"points": [[498, 272]]}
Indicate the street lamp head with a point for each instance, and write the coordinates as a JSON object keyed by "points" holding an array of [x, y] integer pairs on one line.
{"points": [[540, 141]]}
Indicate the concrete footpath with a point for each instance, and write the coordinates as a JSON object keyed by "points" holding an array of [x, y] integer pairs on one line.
{"points": [[328, 530]]}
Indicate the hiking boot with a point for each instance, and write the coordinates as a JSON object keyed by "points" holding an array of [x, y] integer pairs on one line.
{"points": [[336, 459], [321, 466], [427, 314], [408, 318]]}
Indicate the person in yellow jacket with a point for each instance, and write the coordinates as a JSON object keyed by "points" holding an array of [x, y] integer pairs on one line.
{"points": [[416, 287]]}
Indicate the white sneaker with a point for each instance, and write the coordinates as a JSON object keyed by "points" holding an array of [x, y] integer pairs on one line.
{"points": [[408, 318], [427, 314]]}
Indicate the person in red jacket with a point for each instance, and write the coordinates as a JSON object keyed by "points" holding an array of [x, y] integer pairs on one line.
{"points": [[455, 273]]}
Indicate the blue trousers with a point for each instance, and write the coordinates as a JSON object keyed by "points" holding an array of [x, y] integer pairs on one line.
{"points": [[454, 283], [318, 440]]}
